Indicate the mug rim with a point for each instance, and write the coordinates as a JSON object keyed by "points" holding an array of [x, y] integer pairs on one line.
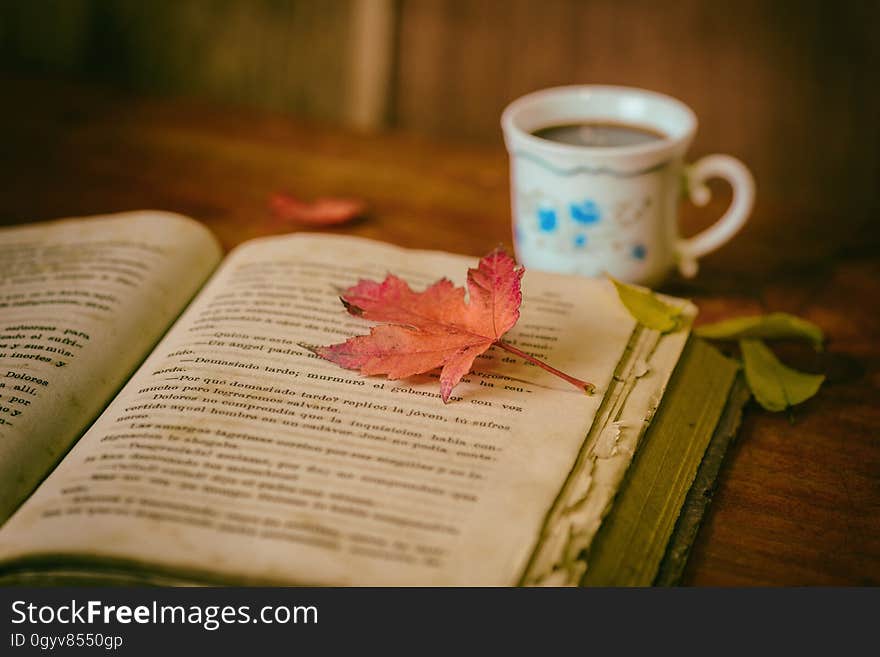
{"points": [[508, 121]]}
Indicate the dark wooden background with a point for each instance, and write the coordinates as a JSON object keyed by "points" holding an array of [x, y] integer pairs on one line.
{"points": [[792, 87], [207, 107]]}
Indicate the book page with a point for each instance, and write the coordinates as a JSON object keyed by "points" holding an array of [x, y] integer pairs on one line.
{"points": [[81, 303], [235, 454]]}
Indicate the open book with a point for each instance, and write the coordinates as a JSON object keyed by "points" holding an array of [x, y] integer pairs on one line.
{"points": [[160, 420]]}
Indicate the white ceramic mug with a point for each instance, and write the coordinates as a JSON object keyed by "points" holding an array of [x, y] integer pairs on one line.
{"points": [[595, 209]]}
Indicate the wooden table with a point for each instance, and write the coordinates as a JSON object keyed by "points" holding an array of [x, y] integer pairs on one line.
{"points": [[798, 502]]}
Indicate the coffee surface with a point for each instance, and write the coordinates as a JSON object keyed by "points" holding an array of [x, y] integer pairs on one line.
{"points": [[599, 134]]}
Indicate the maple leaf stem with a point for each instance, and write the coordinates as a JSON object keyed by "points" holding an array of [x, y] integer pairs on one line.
{"points": [[583, 386]]}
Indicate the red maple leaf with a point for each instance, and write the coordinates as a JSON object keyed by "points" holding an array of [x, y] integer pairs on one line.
{"points": [[320, 212], [436, 328]]}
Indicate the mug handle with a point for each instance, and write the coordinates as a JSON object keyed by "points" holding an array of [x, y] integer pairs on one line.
{"points": [[743, 184]]}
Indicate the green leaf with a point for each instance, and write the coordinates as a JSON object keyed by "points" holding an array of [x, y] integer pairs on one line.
{"points": [[648, 308], [775, 326], [775, 386]]}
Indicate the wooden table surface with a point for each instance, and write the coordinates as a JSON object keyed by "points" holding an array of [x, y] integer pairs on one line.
{"points": [[797, 503]]}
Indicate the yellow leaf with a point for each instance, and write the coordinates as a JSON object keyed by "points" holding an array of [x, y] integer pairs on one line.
{"points": [[647, 308], [775, 326], [775, 386]]}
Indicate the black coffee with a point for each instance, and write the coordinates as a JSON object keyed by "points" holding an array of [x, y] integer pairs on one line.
{"points": [[604, 134]]}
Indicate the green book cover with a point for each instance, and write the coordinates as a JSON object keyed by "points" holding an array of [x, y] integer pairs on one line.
{"points": [[646, 537]]}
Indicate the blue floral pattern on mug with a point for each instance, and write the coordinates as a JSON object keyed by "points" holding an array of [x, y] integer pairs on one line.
{"points": [[547, 219], [586, 212]]}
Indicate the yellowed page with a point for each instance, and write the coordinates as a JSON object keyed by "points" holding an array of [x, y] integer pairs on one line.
{"points": [[235, 453], [82, 301]]}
